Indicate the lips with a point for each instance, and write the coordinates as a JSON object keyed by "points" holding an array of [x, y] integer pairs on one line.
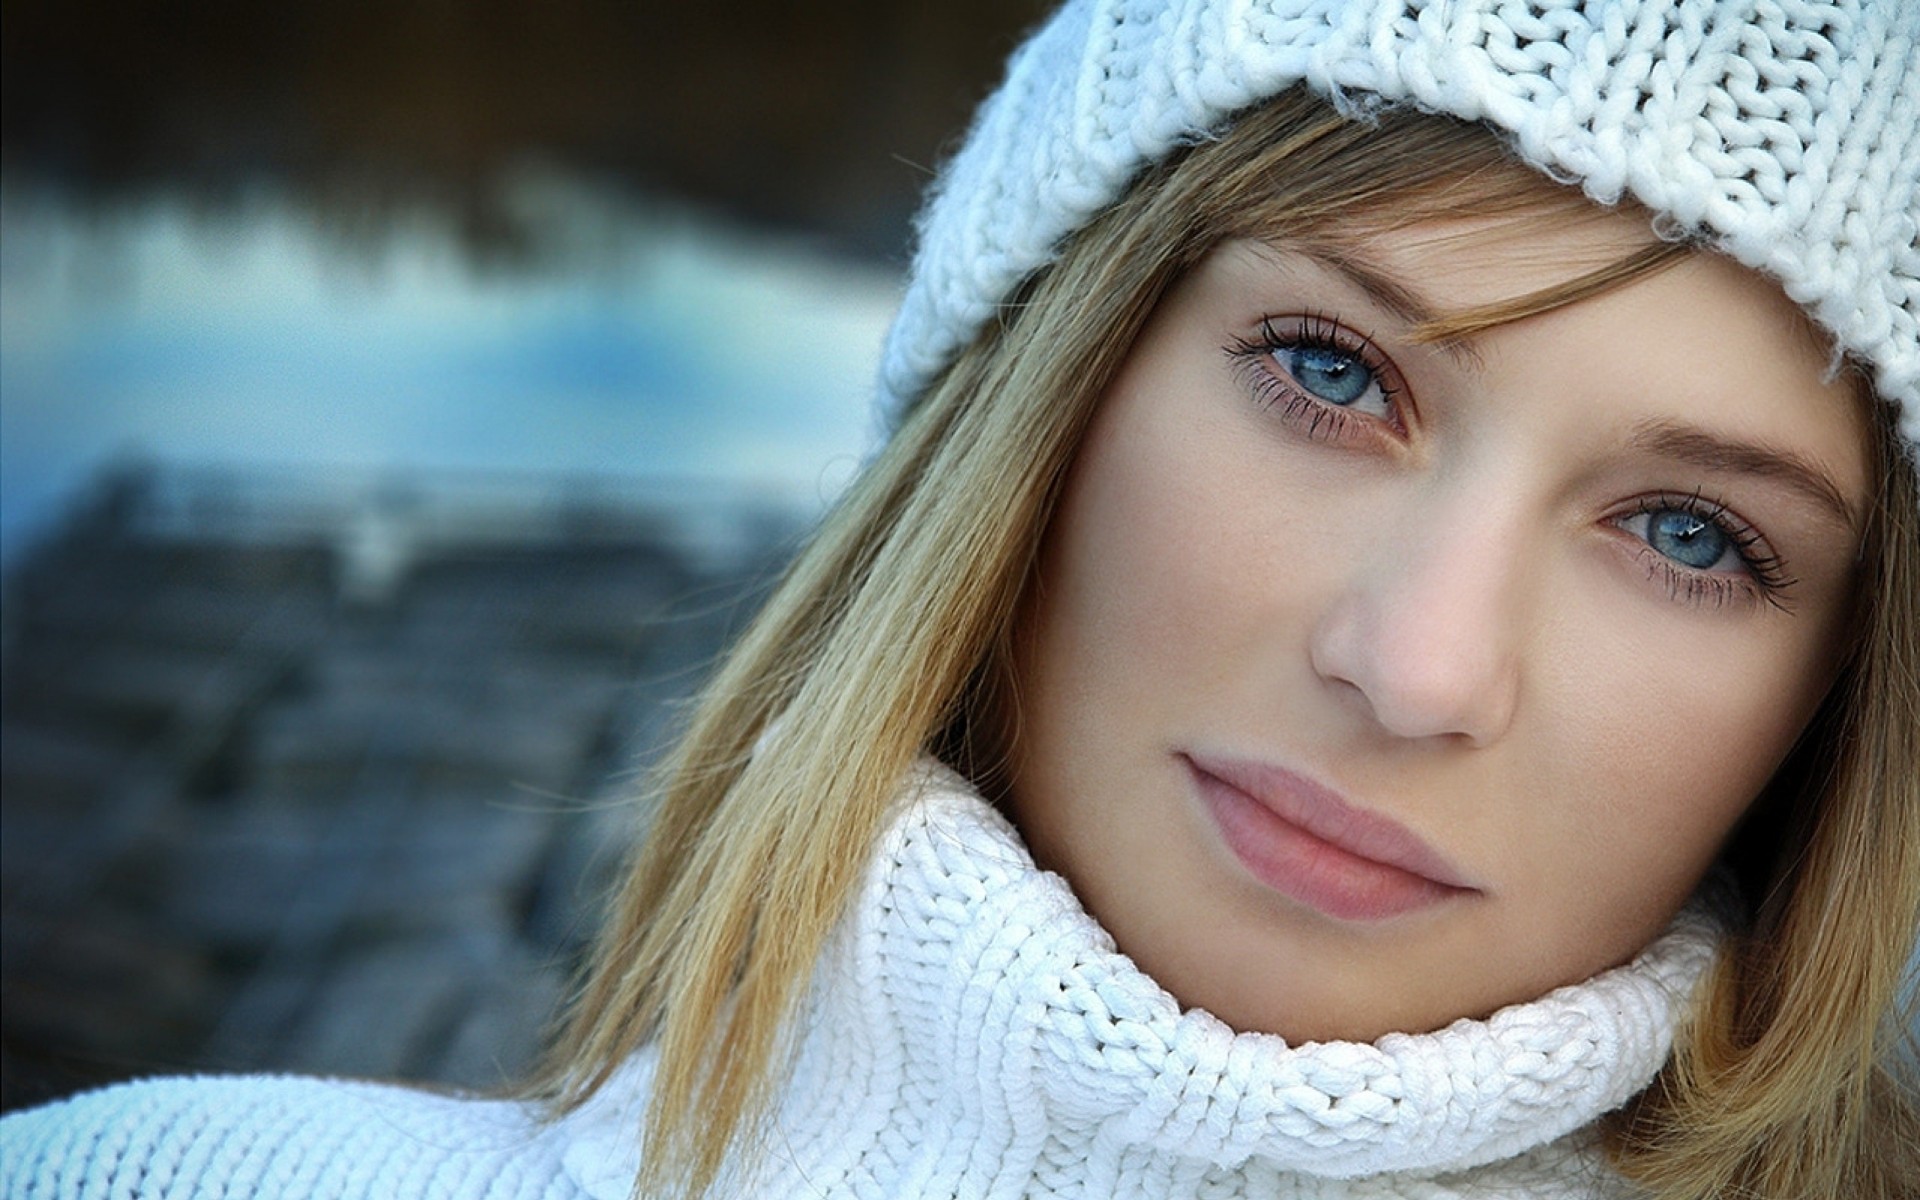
{"points": [[1303, 841]]}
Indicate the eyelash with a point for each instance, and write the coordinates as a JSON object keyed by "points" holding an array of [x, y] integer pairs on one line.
{"points": [[1272, 387], [1766, 579]]}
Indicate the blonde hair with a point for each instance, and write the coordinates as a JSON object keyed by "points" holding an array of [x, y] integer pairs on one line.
{"points": [[1791, 1079], [890, 635]]}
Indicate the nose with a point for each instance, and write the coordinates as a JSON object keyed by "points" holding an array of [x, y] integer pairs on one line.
{"points": [[1424, 632]]}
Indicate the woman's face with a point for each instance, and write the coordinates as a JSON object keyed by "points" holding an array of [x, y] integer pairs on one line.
{"points": [[1365, 684]]}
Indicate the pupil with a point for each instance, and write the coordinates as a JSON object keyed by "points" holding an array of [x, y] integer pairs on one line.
{"points": [[1686, 538]]}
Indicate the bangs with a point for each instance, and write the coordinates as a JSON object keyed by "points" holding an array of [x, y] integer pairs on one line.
{"points": [[1455, 328], [1320, 188]]}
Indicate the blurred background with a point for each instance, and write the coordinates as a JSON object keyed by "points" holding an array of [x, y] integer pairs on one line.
{"points": [[399, 403]]}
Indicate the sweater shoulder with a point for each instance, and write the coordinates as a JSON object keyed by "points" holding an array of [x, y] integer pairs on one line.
{"points": [[276, 1136]]}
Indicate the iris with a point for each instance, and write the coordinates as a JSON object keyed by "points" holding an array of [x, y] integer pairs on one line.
{"points": [[1686, 538], [1331, 375]]}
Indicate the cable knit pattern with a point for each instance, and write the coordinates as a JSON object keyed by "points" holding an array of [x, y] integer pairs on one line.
{"points": [[971, 1032], [1784, 132]]}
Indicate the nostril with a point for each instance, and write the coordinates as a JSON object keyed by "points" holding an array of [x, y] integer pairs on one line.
{"points": [[1457, 691], [1419, 670]]}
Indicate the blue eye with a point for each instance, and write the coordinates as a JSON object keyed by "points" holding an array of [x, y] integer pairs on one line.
{"points": [[1706, 554], [1687, 538], [1326, 381], [1331, 375]]}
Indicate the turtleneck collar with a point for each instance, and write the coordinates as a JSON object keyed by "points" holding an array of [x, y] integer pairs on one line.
{"points": [[972, 1031]]}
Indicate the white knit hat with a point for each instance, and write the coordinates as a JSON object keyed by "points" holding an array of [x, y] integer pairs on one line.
{"points": [[1786, 133]]}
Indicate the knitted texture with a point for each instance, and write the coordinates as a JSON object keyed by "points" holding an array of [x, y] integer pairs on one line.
{"points": [[1786, 133], [972, 1032], [277, 1138]]}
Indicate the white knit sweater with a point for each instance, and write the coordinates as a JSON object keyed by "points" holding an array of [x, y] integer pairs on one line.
{"points": [[971, 1033]]}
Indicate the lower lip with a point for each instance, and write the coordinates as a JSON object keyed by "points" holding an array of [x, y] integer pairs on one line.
{"points": [[1335, 882]]}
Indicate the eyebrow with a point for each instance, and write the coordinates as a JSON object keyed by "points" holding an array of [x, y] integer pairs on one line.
{"points": [[1688, 444], [1380, 287]]}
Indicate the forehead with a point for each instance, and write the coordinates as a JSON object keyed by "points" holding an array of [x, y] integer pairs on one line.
{"points": [[1523, 250], [1441, 272], [1486, 261]]}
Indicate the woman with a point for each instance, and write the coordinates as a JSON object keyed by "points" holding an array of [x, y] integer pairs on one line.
{"points": [[1452, 634]]}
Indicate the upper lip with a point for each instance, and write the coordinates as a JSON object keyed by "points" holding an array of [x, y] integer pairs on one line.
{"points": [[1322, 812]]}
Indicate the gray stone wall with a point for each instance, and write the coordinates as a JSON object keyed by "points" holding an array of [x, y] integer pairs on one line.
{"points": [[327, 776]]}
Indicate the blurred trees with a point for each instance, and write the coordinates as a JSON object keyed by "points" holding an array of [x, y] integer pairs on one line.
{"points": [[824, 118]]}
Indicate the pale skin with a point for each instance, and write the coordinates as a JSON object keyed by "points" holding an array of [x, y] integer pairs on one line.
{"points": [[1443, 602]]}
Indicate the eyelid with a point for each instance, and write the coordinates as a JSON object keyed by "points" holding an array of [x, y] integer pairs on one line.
{"points": [[1316, 327]]}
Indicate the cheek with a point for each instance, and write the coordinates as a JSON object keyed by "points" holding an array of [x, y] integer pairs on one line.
{"points": [[1143, 606], [1663, 736], [1173, 565]]}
